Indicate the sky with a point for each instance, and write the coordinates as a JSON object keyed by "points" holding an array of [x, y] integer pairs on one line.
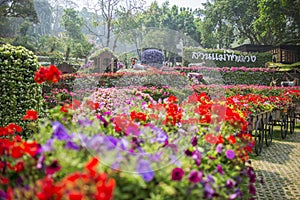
{"points": [[181, 3]]}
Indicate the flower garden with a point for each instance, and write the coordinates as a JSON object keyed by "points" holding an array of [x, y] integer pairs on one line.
{"points": [[149, 135]]}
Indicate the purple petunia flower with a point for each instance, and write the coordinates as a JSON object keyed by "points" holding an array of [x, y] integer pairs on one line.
{"points": [[233, 196], [132, 129], [60, 132], [161, 136], [252, 189], [197, 157], [230, 154], [177, 174], [144, 169], [95, 143], [123, 144], [48, 145], [219, 148], [195, 176], [220, 169], [85, 122], [103, 120], [230, 183], [194, 141], [210, 178], [110, 142], [208, 191], [188, 152], [72, 145], [251, 175]]}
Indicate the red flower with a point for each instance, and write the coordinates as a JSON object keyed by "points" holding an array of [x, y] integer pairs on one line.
{"points": [[172, 99], [138, 116], [4, 180], [91, 165], [40, 75], [73, 177], [210, 138], [104, 187], [16, 152], [75, 104], [231, 139], [30, 115], [92, 105], [3, 131], [50, 74], [75, 196], [47, 189], [31, 148], [53, 74], [10, 129], [220, 139], [18, 167]]}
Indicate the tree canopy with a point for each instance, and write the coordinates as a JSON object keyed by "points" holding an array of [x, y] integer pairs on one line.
{"points": [[17, 8]]}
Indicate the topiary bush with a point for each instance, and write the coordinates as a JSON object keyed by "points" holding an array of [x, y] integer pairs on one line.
{"points": [[153, 57], [19, 92]]}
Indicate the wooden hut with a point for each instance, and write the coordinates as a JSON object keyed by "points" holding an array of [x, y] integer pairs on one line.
{"points": [[287, 54], [66, 68], [253, 48], [103, 60]]}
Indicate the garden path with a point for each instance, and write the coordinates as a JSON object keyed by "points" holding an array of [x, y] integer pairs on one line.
{"points": [[279, 165]]}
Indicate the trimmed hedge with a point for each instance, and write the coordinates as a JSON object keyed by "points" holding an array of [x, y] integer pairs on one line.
{"points": [[19, 92]]}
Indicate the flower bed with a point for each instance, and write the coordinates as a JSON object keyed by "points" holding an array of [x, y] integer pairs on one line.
{"points": [[134, 143], [149, 143], [236, 75]]}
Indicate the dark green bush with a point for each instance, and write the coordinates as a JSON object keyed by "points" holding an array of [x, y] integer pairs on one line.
{"points": [[19, 92]]}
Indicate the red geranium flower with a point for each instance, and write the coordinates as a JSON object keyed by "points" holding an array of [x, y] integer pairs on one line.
{"points": [[220, 139], [91, 165], [50, 74], [231, 139], [10, 129], [92, 105], [30, 115], [210, 138]]}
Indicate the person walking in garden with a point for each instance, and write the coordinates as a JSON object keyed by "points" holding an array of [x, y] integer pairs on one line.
{"points": [[133, 63], [137, 66]]}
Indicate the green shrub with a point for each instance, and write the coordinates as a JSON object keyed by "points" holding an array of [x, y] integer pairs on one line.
{"points": [[19, 92]]}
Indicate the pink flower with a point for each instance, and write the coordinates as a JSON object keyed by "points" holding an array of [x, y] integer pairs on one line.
{"points": [[195, 176], [177, 174]]}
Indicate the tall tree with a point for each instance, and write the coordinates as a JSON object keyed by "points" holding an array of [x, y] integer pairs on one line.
{"points": [[44, 14], [77, 42], [73, 23], [17, 8], [256, 21], [111, 10]]}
